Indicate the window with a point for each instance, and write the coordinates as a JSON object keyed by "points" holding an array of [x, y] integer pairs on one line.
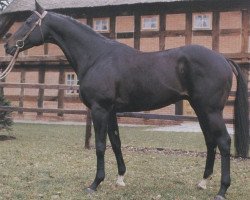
{"points": [[101, 24], [71, 79], [202, 21], [150, 23]]}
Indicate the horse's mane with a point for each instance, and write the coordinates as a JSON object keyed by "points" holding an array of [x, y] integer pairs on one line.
{"points": [[83, 26]]}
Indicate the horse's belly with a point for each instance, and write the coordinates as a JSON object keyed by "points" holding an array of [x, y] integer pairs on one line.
{"points": [[140, 101]]}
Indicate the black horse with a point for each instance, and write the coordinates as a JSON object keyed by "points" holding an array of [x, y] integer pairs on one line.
{"points": [[116, 78]]}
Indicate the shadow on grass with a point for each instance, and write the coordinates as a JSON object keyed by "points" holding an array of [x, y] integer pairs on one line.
{"points": [[6, 137]]}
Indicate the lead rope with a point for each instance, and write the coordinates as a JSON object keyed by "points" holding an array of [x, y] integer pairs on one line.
{"points": [[10, 66]]}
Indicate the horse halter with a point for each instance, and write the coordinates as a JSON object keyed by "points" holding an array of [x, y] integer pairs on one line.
{"points": [[20, 43]]}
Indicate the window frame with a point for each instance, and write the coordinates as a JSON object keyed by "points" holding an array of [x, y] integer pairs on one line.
{"points": [[202, 15], [149, 28], [101, 20], [71, 82]]}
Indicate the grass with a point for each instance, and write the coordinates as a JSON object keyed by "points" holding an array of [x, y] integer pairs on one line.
{"points": [[49, 162]]}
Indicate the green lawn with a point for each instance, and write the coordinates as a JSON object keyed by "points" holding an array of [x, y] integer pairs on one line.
{"points": [[49, 162]]}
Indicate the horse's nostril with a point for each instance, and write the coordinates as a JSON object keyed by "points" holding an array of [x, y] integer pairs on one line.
{"points": [[7, 36]]}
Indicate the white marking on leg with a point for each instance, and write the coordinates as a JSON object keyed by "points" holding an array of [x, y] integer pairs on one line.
{"points": [[120, 181], [218, 197], [203, 184]]}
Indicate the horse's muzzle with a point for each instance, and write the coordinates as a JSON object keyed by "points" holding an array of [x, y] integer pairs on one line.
{"points": [[10, 50]]}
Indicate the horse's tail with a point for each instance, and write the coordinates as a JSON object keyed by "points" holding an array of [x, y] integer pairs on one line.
{"points": [[241, 113]]}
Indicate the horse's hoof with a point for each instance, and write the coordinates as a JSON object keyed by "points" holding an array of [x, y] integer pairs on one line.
{"points": [[89, 191], [122, 184], [218, 197], [202, 185], [120, 181]]}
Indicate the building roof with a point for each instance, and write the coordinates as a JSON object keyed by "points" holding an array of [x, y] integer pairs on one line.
{"points": [[25, 5]]}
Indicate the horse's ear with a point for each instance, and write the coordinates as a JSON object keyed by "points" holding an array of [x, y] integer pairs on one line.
{"points": [[39, 8]]}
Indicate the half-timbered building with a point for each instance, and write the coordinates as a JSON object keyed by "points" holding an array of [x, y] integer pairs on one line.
{"points": [[147, 25]]}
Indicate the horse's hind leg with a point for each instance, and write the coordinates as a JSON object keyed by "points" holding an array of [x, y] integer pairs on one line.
{"points": [[113, 133], [224, 143], [211, 150], [216, 134]]}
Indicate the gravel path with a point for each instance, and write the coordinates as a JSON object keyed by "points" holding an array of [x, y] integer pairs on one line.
{"points": [[183, 127], [186, 127]]}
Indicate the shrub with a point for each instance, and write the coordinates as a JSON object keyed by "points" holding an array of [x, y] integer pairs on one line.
{"points": [[6, 121]]}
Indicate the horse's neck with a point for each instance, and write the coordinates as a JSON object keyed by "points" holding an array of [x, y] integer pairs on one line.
{"points": [[80, 45]]}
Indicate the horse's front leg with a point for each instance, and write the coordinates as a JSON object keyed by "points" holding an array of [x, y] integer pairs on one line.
{"points": [[113, 132], [100, 118]]}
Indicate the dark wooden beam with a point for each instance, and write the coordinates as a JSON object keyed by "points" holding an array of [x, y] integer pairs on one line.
{"points": [[162, 30], [245, 31], [175, 33], [46, 49], [137, 30], [60, 104], [44, 110], [40, 98], [90, 20], [231, 32], [112, 27], [21, 96], [36, 61], [215, 31], [188, 39], [149, 34], [125, 35], [202, 33]]}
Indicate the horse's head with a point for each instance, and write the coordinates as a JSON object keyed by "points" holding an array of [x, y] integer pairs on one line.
{"points": [[31, 33]]}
